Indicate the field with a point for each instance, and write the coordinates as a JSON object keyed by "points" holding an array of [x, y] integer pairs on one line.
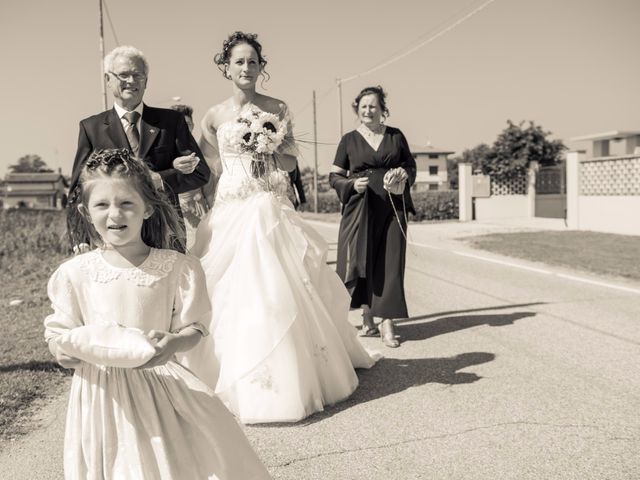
{"points": [[31, 247]]}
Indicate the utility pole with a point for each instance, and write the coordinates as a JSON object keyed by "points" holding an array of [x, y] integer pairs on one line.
{"points": [[315, 156], [101, 31], [339, 84]]}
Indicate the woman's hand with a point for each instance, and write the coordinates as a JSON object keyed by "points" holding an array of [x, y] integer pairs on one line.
{"points": [[360, 184], [397, 175]]}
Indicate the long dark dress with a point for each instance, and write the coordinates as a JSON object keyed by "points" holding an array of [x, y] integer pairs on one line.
{"points": [[371, 246]]}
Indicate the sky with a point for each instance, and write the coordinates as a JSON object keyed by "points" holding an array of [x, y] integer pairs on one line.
{"points": [[570, 66]]}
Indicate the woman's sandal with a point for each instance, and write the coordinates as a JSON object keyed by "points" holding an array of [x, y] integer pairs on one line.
{"points": [[387, 334], [367, 331], [369, 328]]}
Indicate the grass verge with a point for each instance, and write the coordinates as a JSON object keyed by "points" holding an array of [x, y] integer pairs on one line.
{"points": [[30, 250], [600, 253]]}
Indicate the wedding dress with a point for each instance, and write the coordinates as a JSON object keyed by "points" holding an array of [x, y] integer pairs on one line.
{"points": [[281, 346]]}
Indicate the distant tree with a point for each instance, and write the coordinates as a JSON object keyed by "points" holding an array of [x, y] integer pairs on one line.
{"points": [[510, 154], [517, 145], [29, 164], [477, 156]]}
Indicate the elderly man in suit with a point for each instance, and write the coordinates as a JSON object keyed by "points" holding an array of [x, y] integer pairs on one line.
{"points": [[157, 136]]}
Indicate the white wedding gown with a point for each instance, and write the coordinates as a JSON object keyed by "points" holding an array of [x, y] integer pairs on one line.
{"points": [[281, 346]]}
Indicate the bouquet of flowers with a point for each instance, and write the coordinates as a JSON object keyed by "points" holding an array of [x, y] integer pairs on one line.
{"points": [[259, 133]]}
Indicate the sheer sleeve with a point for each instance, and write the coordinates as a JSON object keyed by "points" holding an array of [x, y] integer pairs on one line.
{"points": [[192, 307], [341, 183], [408, 162], [65, 303], [288, 146]]}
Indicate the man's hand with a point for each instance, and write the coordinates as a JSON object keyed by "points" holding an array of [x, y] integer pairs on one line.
{"points": [[186, 164], [157, 180]]}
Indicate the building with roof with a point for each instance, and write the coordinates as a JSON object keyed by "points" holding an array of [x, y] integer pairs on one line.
{"points": [[601, 142], [431, 163], [46, 190]]}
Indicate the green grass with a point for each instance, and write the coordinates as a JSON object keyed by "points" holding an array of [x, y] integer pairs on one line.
{"points": [[31, 247], [599, 253]]}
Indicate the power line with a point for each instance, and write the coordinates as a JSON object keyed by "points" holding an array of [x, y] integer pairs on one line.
{"points": [[434, 29], [420, 45], [113, 30], [309, 103]]}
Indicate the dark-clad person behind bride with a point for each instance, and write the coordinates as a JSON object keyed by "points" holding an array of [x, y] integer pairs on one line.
{"points": [[372, 172], [194, 203], [281, 346]]}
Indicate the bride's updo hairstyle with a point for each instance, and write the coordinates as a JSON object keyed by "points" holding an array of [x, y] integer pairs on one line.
{"points": [[238, 38], [379, 92]]}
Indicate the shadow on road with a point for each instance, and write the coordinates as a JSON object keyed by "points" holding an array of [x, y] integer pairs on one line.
{"points": [[469, 310], [423, 330], [391, 375]]}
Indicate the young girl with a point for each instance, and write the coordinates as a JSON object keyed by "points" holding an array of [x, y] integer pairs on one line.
{"points": [[157, 421]]}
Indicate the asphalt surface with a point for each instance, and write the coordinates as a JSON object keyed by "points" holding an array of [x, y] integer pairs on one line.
{"points": [[508, 370]]}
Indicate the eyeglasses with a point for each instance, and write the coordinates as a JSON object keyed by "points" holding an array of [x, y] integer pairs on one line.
{"points": [[125, 76]]}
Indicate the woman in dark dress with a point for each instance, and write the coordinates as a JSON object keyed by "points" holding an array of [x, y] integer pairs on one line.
{"points": [[372, 173]]}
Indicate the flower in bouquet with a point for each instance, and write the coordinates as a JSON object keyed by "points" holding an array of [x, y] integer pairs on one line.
{"points": [[265, 132], [242, 136]]}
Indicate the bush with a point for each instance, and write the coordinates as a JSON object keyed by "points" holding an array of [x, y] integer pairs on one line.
{"points": [[327, 202], [429, 205], [435, 205]]}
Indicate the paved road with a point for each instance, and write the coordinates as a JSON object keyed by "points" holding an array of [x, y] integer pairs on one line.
{"points": [[506, 372]]}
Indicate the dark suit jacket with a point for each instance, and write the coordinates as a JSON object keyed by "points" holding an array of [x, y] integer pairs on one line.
{"points": [[164, 135]]}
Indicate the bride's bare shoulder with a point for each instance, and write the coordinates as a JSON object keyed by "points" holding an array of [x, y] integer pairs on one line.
{"points": [[273, 105]]}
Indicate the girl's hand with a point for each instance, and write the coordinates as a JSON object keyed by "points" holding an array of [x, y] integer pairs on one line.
{"points": [[166, 347], [64, 360], [360, 185]]}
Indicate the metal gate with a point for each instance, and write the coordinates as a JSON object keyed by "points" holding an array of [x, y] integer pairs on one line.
{"points": [[551, 198]]}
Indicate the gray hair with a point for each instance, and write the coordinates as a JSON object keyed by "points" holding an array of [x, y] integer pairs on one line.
{"points": [[128, 52]]}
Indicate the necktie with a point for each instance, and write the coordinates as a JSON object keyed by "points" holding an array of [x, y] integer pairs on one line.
{"points": [[132, 131]]}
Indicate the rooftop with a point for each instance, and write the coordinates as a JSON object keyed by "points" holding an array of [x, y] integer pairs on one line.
{"points": [[613, 135], [35, 177], [429, 149]]}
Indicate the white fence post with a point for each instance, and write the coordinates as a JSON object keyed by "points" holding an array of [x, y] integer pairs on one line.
{"points": [[465, 192], [531, 188], [573, 187]]}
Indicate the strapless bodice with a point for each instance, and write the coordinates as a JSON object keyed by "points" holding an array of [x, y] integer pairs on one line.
{"points": [[243, 173]]}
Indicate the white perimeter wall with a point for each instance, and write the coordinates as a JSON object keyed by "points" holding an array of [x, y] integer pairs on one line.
{"points": [[614, 214], [502, 206]]}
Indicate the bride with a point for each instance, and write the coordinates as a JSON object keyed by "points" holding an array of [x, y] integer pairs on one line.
{"points": [[281, 346]]}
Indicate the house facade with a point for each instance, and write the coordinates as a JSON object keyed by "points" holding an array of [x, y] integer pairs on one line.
{"points": [[39, 190], [431, 164]]}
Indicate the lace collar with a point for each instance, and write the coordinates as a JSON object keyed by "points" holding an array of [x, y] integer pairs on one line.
{"points": [[156, 266]]}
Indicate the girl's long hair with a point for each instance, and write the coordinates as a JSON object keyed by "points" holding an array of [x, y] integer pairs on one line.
{"points": [[163, 229]]}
